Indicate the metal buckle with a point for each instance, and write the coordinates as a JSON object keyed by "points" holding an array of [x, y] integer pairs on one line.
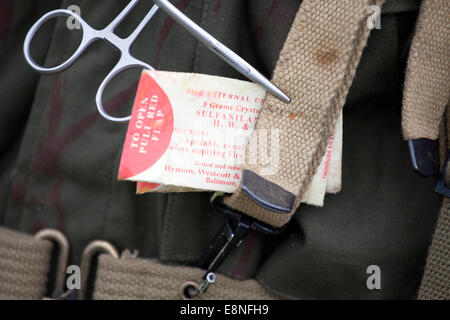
{"points": [[441, 186], [267, 194], [424, 156], [91, 251], [62, 243], [425, 160], [236, 228]]}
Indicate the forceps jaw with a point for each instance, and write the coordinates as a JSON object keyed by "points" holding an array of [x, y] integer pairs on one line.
{"points": [[89, 35]]}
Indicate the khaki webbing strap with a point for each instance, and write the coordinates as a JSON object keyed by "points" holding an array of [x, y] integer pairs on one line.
{"points": [[436, 278], [316, 68], [427, 83], [24, 265], [427, 91], [133, 278]]}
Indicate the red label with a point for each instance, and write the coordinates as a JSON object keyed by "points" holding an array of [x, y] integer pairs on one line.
{"points": [[149, 131], [144, 187]]}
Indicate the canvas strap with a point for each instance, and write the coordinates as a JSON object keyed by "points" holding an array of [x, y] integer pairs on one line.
{"points": [[436, 278], [426, 95], [24, 265], [133, 278], [427, 83], [316, 68]]}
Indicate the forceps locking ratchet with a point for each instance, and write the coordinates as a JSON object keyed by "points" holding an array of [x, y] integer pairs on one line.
{"points": [[127, 61], [90, 35]]}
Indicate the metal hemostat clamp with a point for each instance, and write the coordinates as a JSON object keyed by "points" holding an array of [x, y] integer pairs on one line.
{"points": [[237, 227], [123, 45]]}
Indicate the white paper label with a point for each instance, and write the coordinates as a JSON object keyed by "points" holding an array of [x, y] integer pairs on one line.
{"points": [[190, 132]]}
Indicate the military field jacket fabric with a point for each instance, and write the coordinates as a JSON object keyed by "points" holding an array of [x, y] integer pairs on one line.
{"points": [[59, 158]]}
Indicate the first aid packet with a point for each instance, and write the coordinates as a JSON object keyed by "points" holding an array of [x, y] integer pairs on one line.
{"points": [[189, 132]]}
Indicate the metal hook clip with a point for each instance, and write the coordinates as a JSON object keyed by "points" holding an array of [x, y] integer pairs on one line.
{"points": [[237, 227]]}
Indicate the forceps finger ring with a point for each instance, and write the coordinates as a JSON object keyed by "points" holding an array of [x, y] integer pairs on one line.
{"points": [[89, 36]]}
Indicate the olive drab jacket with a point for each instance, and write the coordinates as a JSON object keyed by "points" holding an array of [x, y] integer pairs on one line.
{"points": [[59, 158]]}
